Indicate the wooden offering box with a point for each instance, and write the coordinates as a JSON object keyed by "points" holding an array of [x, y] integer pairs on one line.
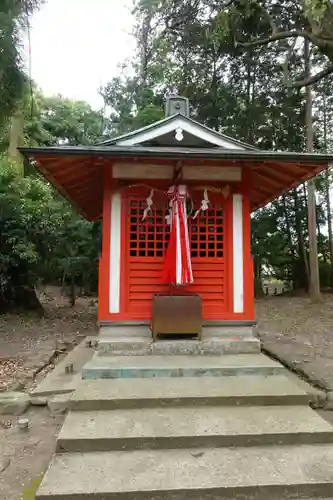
{"points": [[177, 315]]}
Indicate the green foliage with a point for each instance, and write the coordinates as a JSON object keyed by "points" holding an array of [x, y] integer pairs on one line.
{"points": [[132, 105], [25, 234], [41, 238], [194, 49], [57, 120]]}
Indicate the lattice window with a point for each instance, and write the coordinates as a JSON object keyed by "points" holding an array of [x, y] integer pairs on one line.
{"points": [[149, 238], [206, 233]]}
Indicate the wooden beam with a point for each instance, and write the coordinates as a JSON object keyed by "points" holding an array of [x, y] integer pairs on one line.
{"points": [[55, 162], [77, 174], [274, 174], [62, 191], [267, 180], [88, 180], [68, 168], [288, 168]]}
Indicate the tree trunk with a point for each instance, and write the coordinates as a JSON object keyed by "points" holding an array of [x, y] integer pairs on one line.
{"points": [[258, 289], [72, 293], [145, 52], [329, 221], [313, 244], [16, 137], [301, 244], [289, 236], [328, 198], [20, 297]]}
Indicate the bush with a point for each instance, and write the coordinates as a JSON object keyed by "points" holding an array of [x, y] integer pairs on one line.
{"points": [[41, 239]]}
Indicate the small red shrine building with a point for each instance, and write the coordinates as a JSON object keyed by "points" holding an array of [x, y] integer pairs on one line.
{"points": [[125, 181]]}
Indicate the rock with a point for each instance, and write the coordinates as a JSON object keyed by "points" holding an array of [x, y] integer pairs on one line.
{"points": [[61, 346], [6, 424], [59, 404], [14, 403], [38, 401], [4, 463], [69, 368], [329, 401], [23, 424], [18, 386], [94, 344], [317, 399]]}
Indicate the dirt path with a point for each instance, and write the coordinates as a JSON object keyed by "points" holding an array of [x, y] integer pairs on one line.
{"points": [[24, 455], [28, 343]]}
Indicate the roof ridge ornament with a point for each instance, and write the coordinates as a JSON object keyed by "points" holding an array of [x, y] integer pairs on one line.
{"points": [[175, 105]]}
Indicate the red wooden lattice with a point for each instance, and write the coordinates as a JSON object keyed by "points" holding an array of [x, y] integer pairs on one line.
{"points": [[146, 243], [149, 237]]}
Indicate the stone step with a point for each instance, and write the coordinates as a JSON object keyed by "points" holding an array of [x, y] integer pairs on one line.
{"points": [[167, 428], [211, 346], [180, 366], [277, 472], [212, 391]]}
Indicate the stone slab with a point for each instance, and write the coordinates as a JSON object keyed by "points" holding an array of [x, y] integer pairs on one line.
{"points": [[200, 473], [209, 346], [122, 331], [227, 331], [148, 393], [14, 403], [59, 382], [194, 427], [318, 398], [59, 403], [180, 366]]}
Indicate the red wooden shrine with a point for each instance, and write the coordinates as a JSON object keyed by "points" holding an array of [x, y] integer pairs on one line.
{"points": [[125, 181], [143, 245]]}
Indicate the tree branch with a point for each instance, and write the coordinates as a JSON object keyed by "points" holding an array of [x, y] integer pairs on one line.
{"points": [[285, 65], [275, 37], [310, 80]]}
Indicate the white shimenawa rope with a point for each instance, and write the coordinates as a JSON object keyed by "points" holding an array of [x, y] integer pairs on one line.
{"points": [[204, 205], [149, 204]]}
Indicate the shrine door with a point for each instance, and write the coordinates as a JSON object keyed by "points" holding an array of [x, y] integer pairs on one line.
{"points": [[146, 242]]}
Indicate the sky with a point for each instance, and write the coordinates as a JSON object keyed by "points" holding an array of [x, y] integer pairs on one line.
{"points": [[76, 46]]}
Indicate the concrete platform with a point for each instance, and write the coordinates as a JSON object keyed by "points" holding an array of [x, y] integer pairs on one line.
{"points": [[282, 472], [209, 346], [180, 366], [249, 390], [59, 382], [209, 330], [173, 428]]}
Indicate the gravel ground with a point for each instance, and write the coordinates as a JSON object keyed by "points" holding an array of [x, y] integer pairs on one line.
{"points": [[300, 334]]}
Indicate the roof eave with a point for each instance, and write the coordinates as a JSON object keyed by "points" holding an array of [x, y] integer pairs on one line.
{"points": [[173, 153]]}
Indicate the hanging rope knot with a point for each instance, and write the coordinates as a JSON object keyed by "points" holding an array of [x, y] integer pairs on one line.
{"points": [[175, 193], [204, 205], [177, 267], [149, 205]]}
